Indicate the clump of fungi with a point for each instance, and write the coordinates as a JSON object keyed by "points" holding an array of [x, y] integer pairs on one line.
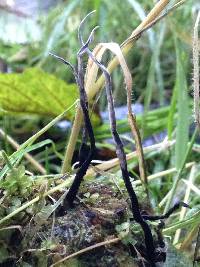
{"points": [[139, 216]]}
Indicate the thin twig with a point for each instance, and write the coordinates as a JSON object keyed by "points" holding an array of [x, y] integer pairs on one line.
{"points": [[104, 243], [137, 34], [193, 187], [136, 134]]}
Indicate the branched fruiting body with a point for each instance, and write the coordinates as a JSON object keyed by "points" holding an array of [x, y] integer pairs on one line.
{"points": [[88, 132]]}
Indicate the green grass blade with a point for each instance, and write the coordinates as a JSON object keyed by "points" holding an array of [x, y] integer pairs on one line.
{"points": [[172, 112], [58, 30], [188, 222], [182, 130], [172, 192], [32, 139], [18, 156]]}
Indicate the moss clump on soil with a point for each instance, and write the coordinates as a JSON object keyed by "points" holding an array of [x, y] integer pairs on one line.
{"points": [[100, 213]]}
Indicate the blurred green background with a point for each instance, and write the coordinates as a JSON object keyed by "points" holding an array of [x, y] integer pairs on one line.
{"points": [[31, 29]]}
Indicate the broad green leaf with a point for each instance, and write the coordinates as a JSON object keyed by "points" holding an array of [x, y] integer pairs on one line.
{"points": [[36, 92]]}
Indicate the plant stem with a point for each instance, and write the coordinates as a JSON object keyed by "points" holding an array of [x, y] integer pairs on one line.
{"points": [[185, 200], [105, 166], [189, 238], [32, 139], [178, 176], [66, 166], [194, 220], [6, 159], [31, 159]]}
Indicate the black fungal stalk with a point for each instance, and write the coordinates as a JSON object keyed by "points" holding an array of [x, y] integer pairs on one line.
{"points": [[83, 148], [150, 247], [88, 130], [71, 195], [167, 214]]}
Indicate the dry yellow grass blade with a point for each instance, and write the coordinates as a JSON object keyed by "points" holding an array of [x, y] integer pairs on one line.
{"points": [[92, 68], [193, 187], [109, 164], [189, 238]]}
